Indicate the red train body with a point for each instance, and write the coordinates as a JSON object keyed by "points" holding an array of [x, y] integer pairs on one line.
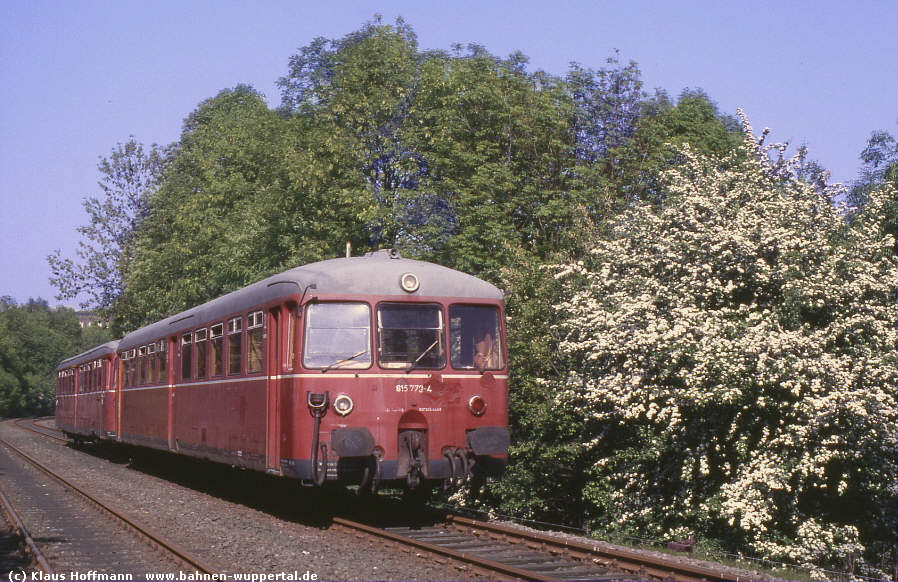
{"points": [[359, 370]]}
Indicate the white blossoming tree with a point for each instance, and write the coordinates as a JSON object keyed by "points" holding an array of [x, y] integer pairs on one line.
{"points": [[736, 365]]}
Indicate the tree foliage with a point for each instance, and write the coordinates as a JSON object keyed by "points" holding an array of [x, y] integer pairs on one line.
{"points": [[736, 366], [34, 338], [129, 175]]}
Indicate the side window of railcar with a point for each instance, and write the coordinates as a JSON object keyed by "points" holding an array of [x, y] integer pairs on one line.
{"points": [[142, 368], [410, 335], [337, 335], [126, 368], [474, 340], [162, 354], [290, 356], [186, 356], [132, 355], [235, 335], [201, 337], [254, 328], [151, 363], [216, 340]]}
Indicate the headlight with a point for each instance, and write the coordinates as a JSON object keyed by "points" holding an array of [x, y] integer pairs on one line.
{"points": [[409, 282], [343, 405], [477, 405]]}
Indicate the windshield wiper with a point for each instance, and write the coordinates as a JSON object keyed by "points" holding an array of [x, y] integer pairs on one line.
{"points": [[339, 363], [424, 353]]}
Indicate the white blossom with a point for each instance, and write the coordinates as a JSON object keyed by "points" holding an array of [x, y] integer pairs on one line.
{"points": [[740, 344]]}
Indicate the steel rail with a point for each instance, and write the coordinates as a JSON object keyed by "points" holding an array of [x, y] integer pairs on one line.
{"points": [[142, 530], [485, 565], [629, 560], [17, 522], [30, 425]]}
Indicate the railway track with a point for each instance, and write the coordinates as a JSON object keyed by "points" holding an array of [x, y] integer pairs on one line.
{"points": [[38, 425], [77, 531], [18, 552], [511, 553], [500, 552]]}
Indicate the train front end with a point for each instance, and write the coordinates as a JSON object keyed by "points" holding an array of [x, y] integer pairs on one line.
{"points": [[406, 384]]}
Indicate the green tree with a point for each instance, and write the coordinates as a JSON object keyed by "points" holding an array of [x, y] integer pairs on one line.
{"points": [[128, 177], [34, 338], [248, 193], [609, 102], [498, 145], [880, 167], [633, 170], [360, 88]]}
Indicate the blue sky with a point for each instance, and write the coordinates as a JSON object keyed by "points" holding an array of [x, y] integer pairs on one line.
{"points": [[77, 77]]}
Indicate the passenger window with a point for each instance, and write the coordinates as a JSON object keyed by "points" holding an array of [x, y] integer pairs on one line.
{"points": [[217, 363], [126, 369], [162, 354], [151, 363], [254, 327], [142, 366], [186, 356], [132, 366], [410, 336], [474, 337], [201, 338], [337, 335], [235, 334]]}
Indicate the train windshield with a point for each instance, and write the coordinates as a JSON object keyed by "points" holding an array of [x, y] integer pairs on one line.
{"points": [[474, 337], [337, 336], [410, 336]]}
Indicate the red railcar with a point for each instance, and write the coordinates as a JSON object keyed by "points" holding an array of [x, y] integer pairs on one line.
{"points": [[86, 392], [359, 370]]}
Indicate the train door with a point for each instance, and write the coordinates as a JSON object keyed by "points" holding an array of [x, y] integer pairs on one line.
{"points": [[273, 372], [97, 375], [108, 398], [171, 363]]}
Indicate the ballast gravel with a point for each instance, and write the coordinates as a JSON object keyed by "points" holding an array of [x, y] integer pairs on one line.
{"points": [[230, 535]]}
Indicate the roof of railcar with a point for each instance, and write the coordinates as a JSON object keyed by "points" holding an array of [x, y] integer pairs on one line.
{"points": [[89, 355], [376, 273]]}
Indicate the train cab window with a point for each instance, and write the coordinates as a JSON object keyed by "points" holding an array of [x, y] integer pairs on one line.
{"points": [[254, 328], [337, 335], [235, 335], [201, 338], [410, 336], [216, 342], [186, 356], [474, 337]]}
